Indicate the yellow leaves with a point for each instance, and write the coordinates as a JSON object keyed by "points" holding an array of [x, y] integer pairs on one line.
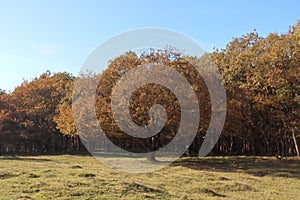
{"points": [[28, 123]]}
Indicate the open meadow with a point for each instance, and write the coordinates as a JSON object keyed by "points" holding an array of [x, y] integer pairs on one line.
{"points": [[83, 177], [98, 97]]}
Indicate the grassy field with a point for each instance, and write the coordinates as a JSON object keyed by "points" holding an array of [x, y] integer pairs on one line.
{"points": [[83, 177]]}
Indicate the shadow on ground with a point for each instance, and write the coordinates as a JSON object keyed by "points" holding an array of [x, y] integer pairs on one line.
{"points": [[257, 166]]}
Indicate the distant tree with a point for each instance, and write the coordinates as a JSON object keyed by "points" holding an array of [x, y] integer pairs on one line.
{"points": [[35, 106]]}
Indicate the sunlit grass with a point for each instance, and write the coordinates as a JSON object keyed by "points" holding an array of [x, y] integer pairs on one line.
{"points": [[83, 177]]}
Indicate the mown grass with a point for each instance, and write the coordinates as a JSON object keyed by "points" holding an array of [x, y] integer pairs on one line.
{"points": [[83, 177]]}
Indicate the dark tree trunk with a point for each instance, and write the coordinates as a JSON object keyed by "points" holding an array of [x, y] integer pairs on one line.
{"points": [[151, 156]]}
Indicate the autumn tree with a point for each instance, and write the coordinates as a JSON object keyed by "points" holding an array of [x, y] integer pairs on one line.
{"points": [[35, 106], [146, 96], [260, 74]]}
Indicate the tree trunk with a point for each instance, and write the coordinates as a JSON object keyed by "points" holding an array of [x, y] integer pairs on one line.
{"points": [[151, 156], [295, 142], [66, 143]]}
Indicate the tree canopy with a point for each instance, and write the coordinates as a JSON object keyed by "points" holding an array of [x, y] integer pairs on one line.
{"points": [[261, 77]]}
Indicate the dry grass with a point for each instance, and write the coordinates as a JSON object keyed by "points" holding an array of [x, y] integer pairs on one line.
{"points": [[83, 177]]}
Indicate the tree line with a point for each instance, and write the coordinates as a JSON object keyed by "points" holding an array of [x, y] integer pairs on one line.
{"points": [[260, 75]]}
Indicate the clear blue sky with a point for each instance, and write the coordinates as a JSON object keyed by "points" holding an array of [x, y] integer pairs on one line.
{"points": [[59, 35]]}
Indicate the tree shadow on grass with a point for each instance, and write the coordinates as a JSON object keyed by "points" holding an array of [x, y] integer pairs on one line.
{"points": [[257, 166]]}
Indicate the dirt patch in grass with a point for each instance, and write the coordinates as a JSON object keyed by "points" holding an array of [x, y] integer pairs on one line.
{"points": [[236, 187], [76, 167], [211, 192], [87, 175], [31, 175], [5, 175], [132, 188]]}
